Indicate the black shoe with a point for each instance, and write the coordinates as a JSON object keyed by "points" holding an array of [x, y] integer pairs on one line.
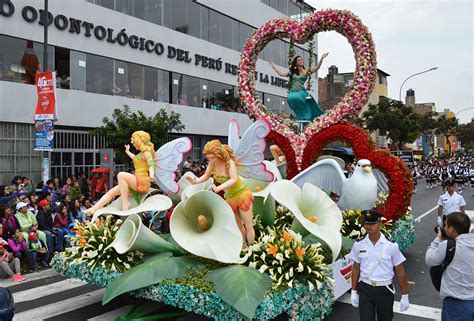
{"points": [[43, 263]]}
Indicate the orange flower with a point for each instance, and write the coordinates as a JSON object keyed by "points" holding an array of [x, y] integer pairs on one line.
{"points": [[300, 253], [287, 237], [272, 250], [82, 242], [79, 232]]}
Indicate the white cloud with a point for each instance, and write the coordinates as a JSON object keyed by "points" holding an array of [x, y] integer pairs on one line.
{"points": [[412, 36]]}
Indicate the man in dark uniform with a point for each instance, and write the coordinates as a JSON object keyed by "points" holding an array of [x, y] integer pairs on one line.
{"points": [[375, 259]]}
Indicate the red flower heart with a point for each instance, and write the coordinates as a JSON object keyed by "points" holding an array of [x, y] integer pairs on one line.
{"points": [[399, 177]]}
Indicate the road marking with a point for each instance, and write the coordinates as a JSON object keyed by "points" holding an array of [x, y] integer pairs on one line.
{"points": [[29, 277], [61, 306], [418, 219], [414, 309], [42, 291]]}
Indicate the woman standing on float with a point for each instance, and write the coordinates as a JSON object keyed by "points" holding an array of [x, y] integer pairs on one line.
{"points": [[303, 105]]}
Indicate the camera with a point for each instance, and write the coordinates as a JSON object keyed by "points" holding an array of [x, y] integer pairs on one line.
{"points": [[443, 232]]}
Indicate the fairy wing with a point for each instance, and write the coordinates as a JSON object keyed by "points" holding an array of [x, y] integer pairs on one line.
{"points": [[250, 150], [167, 160], [234, 134]]}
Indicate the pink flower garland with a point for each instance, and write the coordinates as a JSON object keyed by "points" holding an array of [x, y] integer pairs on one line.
{"points": [[342, 21]]}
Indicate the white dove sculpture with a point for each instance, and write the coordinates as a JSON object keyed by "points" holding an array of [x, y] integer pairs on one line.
{"points": [[357, 192]]}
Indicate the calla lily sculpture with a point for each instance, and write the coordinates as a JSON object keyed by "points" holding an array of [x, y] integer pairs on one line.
{"points": [[193, 189], [133, 235], [315, 212], [186, 189], [204, 225], [183, 183], [145, 203]]}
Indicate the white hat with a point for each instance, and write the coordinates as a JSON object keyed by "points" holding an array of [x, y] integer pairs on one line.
{"points": [[20, 205]]}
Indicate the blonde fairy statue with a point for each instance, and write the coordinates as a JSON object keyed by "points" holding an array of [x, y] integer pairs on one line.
{"points": [[144, 164], [241, 157], [223, 169]]}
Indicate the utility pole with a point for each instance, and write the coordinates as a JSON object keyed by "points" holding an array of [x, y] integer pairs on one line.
{"points": [[45, 40]]}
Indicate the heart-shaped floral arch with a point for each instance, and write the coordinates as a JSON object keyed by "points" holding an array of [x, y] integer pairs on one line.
{"points": [[342, 21]]}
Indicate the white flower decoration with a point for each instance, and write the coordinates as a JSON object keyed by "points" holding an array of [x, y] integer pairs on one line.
{"points": [[315, 212]]}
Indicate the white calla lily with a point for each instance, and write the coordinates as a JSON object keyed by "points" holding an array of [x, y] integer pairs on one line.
{"points": [[221, 240], [193, 189], [183, 184], [314, 211], [147, 203]]}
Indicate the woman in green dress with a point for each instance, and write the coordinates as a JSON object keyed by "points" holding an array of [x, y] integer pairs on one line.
{"points": [[303, 105]]}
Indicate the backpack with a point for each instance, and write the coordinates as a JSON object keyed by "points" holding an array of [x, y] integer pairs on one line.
{"points": [[7, 305], [436, 272]]}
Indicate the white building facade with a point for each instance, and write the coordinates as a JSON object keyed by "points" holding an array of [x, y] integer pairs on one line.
{"points": [[179, 55]]}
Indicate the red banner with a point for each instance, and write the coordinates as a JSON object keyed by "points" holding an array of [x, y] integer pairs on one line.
{"points": [[46, 107]]}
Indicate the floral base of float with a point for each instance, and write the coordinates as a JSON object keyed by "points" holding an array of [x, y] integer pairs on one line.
{"points": [[299, 302]]}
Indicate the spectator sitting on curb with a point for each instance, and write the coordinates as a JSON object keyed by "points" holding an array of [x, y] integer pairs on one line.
{"points": [[17, 245], [8, 262], [36, 250]]}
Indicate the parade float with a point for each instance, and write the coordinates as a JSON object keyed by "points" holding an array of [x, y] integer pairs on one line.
{"points": [[296, 262]]}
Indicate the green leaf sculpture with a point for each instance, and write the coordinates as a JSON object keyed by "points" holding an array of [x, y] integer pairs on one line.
{"points": [[154, 270], [241, 287]]}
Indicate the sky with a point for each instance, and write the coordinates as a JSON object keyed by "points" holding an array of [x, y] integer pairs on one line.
{"points": [[412, 36]]}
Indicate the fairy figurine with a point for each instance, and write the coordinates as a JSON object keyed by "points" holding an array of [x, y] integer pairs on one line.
{"points": [[149, 166], [242, 157]]}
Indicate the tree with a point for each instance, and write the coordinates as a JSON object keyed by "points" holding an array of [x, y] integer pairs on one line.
{"points": [[465, 134], [428, 123], [394, 120], [124, 122], [447, 127]]}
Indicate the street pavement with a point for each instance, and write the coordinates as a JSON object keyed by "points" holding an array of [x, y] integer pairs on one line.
{"points": [[48, 296]]}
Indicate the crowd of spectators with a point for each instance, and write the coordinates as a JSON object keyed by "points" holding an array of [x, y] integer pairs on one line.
{"points": [[37, 221]]}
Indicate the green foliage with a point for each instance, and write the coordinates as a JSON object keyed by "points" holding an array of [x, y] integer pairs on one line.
{"points": [[118, 130], [135, 311], [194, 278], [241, 287], [394, 120], [284, 218], [154, 270], [465, 134], [447, 127]]}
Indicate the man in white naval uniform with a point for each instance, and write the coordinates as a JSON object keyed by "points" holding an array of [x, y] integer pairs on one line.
{"points": [[376, 260]]}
